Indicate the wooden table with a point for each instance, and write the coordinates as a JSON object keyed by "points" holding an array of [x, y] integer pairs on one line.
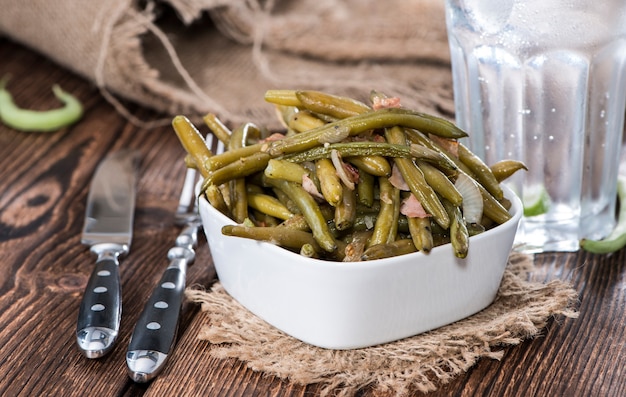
{"points": [[44, 180]]}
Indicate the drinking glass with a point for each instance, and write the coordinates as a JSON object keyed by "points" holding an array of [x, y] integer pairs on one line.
{"points": [[544, 82]]}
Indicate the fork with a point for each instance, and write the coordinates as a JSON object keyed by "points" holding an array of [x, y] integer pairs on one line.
{"points": [[154, 335]]}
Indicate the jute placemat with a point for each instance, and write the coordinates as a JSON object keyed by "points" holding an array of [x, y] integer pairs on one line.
{"points": [[419, 363]]}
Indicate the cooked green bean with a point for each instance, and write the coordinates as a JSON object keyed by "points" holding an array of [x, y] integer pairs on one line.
{"points": [[335, 106], [330, 184], [281, 169], [193, 142], [345, 210], [214, 196], [238, 193], [459, 236], [440, 183], [285, 237], [616, 240], [421, 234], [375, 165], [386, 226], [35, 120], [308, 251], [303, 121], [414, 177], [365, 188], [259, 218], [238, 169], [492, 208], [309, 208], [350, 149], [382, 118], [222, 159], [505, 168], [394, 248], [297, 221], [217, 128], [269, 205], [482, 171], [282, 97]]}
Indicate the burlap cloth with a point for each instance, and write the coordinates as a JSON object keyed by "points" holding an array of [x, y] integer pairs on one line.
{"points": [[420, 363], [196, 56]]}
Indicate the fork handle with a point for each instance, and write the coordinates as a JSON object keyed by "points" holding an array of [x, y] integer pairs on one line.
{"points": [[155, 332]]}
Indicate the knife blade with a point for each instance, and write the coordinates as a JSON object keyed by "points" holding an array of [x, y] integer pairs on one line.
{"points": [[108, 231]]}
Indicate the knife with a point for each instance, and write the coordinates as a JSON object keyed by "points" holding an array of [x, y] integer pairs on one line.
{"points": [[108, 231]]}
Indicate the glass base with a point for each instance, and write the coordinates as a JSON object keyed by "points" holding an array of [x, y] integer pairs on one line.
{"points": [[536, 237]]}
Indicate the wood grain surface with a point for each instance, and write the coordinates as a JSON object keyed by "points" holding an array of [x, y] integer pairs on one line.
{"points": [[43, 269]]}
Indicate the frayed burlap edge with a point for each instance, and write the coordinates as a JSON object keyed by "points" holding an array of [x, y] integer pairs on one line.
{"points": [[420, 363]]}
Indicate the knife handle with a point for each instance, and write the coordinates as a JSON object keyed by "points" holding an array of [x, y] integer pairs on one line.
{"points": [[155, 332], [101, 307]]}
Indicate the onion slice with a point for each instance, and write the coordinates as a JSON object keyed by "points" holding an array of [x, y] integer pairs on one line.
{"points": [[472, 199], [341, 171]]}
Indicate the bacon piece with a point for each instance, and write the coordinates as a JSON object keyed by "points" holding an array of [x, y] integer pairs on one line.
{"points": [[383, 103], [412, 208], [397, 180], [309, 186], [450, 145], [277, 136]]}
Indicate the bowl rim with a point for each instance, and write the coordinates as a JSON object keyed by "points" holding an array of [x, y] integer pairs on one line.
{"points": [[516, 212]]}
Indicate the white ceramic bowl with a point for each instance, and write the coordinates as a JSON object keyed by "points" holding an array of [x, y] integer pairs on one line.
{"points": [[340, 305]]}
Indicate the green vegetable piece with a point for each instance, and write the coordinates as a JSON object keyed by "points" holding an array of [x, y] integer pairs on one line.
{"points": [[39, 121], [616, 240]]}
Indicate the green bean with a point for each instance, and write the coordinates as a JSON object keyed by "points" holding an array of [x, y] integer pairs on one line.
{"points": [[309, 208], [367, 121], [386, 226], [365, 188], [345, 210], [285, 237], [282, 97], [481, 170], [193, 142], [420, 139], [39, 121], [280, 169], [303, 121], [335, 106], [223, 159], [308, 251], [440, 183], [434, 157], [214, 196], [505, 168], [269, 205], [356, 245], [414, 177], [330, 184], [394, 248], [421, 234], [492, 208], [238, 193], [237, 169], [217, 128], [459, 236], [349, 149], [297, 221], [374, 165], [262, 219], [616, 240]]}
